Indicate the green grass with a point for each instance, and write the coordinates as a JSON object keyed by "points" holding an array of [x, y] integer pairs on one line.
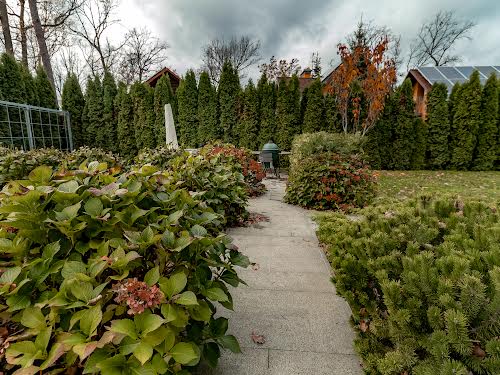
{"points": [[396, 186]]}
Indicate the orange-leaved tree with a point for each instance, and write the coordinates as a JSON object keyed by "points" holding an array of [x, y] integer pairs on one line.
{"points": [[376, 74]]}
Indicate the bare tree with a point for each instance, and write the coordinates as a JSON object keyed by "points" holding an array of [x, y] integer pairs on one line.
{"points": [[4, 20], [278, 69], [241, 53], [92, 21], [42, 45], [142, 54], [316, 64], [437, 38]]}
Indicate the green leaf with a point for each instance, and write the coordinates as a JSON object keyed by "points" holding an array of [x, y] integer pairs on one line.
{"points": [[71, 268], [211, 352], [113, 365], [82, 290], [230, 342], [91, 320], [147, 322], [173, 285], [198, 231], [125, 326], [216, 294], [10, 275], [240, 260], [174, 217], [184, 353], [43, 338], [143, 352], [182, 243], [94, 207], [33, 318], [41, 174], [152, 276], [70, 186], [68, 213], [169, 312], [168, 239], [202, 312], [187, 298]]}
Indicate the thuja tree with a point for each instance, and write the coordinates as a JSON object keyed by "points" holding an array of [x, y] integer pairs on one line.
{"points": [[107, 136], [287, 112], [187, 106], [73, 101], [11, 80], [250, 118], [229, 87], [332, 116], [486, 150], [314, 117], [30, 92], [93, 112], [466, 124], [163, 94], [143, 108], [438, 127], [266, 91], [125, 131], [208, 121], [403, 130], [45, 91], [420, 131], [303, 106]]}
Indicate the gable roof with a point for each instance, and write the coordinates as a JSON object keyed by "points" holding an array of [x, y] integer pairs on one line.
{"points": [[174, 77], [449, 75]]}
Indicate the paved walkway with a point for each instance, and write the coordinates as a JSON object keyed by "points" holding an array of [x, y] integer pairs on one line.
{"points": [[289, 299]]}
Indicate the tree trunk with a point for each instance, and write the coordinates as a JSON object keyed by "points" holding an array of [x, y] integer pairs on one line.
{"points": [[4, 20], [22, 31], [42, 45]]}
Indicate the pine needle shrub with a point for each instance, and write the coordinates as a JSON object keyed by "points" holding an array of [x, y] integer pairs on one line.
{"points": [[423, 282]]}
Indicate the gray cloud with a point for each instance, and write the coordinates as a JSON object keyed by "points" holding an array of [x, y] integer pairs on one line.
{"points": [[290, 28]]}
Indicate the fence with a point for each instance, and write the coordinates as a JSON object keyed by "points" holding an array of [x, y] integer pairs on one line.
{"points": [[27, 127]]}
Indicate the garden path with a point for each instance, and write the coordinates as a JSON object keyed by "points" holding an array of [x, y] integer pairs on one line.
{"points": [[289, 299]]}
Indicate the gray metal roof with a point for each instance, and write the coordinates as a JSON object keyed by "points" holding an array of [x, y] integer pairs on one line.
{"points": [[449, 75]]}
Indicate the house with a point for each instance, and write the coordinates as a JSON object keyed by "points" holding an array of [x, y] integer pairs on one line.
{"points": [[174, 78], [423, 77], [328, 80], [305, 79]]}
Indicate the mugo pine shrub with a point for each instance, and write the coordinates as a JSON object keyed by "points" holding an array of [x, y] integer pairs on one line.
{"points": [[423, 283], [111, 274], [327, 172]]}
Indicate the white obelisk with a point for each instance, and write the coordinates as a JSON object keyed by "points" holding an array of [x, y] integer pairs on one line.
{"points": [[170, 134]]}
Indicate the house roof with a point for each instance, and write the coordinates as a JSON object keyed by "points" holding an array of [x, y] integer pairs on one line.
{"points": [[171, 74], [449, 75]]}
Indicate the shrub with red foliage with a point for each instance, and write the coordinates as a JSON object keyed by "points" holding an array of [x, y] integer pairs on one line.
{"points": [[251, 169], [330, 181]]}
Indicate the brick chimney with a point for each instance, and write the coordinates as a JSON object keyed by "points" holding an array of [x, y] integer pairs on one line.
{"points": [[306, 73]]}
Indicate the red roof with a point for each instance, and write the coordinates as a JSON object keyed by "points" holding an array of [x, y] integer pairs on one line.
{"points": [[174, 78]]}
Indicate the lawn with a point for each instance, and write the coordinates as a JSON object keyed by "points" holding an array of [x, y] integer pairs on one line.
{"points": [[401, 185]]}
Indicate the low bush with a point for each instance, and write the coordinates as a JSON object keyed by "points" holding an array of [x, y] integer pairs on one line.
{"points": [[310, 144], [423, 282], [160, 156], [252, 170], [114, 273], [85, 155], [329, 181], [216, 179]]}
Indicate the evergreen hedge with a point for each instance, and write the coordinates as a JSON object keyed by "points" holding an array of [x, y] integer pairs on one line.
{"points": [[73, 101], [438, 123], [227, 93], [187, 106], [208, 121]]}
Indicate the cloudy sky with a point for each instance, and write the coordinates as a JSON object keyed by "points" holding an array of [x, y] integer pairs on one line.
{"points": [[294, 28]]}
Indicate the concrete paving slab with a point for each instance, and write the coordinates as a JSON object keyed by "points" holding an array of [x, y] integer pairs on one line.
{"points": [[289, 299]]}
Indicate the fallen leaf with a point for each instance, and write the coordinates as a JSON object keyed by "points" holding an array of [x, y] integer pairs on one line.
{"points": [[258, 339], [364, 325], [255, 266], [478, 352]]}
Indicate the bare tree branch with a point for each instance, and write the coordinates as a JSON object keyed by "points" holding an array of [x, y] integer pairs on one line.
{"points": [[437, 38], [241, 53], [4, 20], [142, 54], [279, 69]]}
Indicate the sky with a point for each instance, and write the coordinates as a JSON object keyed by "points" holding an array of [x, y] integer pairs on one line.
{"points": [[293, 28]]}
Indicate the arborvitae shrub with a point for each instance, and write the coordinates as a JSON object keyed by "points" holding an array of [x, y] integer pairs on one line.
{"points": [[229, 87], [287, 112], [31, 94], [208, 120], [314, 117], [187, 106], [378, 144], [485, 154], [423, 282], [332, 116], [11, 80], [438, 153], [73, 101], [267, 101], [143, 106], [45, 92], [109, 133], [125, 126], [93, 112], [249, 129], [403, 129], [466, 122], [420, 146]]}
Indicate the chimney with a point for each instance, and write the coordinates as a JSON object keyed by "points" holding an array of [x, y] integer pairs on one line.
{"points": [[306, 73]]}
